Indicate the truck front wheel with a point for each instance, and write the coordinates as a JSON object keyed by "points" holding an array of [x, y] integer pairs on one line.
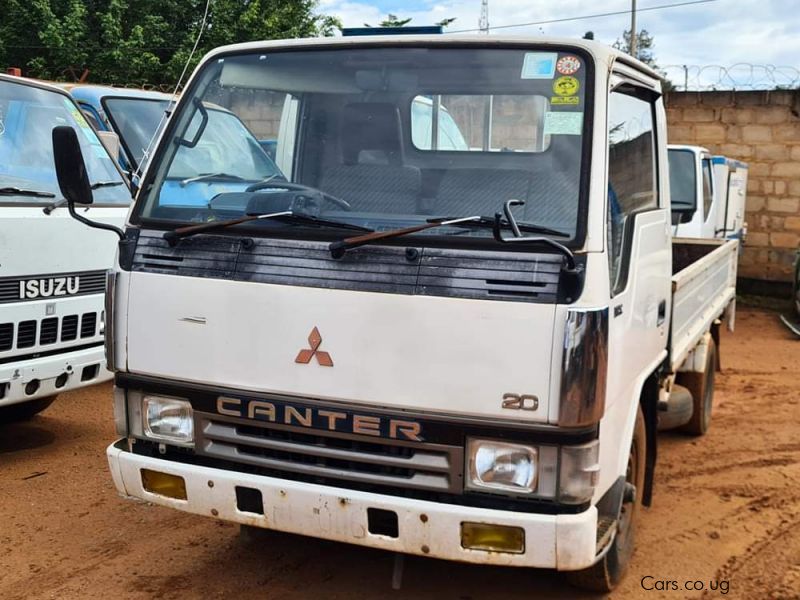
{"points": [[604, 575], [25, 410], [701, 385]]}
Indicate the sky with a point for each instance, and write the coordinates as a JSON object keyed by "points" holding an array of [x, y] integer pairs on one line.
{"points": [[763, 33]]}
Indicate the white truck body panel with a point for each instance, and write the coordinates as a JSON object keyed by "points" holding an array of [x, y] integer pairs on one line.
{"points": [[390, 351], [730, 179], [700, 293]]}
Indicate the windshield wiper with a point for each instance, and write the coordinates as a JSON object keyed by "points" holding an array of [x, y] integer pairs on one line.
{"points": [[15, 191], [478, 221], [212, 176], [289, 216], [340, 247], [488, 222], [102, 184]]}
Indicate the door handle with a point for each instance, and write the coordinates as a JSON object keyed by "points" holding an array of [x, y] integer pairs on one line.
{"points": [[662, 313]]}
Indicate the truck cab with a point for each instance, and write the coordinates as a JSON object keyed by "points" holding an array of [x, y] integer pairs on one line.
{"points": [[52, 268], [457, 350], [136, 116], [708, 194]]}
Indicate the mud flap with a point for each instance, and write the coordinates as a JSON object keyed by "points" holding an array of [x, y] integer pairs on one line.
{"points": [[649, 404]]}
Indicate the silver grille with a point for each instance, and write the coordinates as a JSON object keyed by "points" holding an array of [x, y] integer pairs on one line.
{"points": [[329, 455]]}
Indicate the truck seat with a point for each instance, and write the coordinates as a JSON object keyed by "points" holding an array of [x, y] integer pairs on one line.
{"points": [[372, 176]]}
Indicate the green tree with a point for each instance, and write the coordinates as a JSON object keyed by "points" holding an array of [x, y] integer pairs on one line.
{"points": [[142, 42], [644, 46], [393, 21]]}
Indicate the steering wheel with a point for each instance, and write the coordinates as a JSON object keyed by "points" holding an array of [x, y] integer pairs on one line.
{"points": [[297, 187]]}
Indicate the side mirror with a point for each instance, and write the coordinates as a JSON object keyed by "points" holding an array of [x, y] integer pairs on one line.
{"points": [[111, 142], [70, 168], [73, 178]]}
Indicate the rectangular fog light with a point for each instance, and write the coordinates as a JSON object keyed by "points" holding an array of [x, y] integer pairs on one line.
{"points": [[164, 484], [492, 538]]}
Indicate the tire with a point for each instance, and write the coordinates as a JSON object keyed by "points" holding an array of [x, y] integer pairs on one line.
{"points": [[25, 410], [606, 574], [701, 385]]}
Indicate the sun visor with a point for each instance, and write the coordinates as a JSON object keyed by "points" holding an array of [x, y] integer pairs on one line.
{"points": [[284, 78]]}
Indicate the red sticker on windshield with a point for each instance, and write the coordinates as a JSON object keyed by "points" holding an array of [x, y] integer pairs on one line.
{"points": [[567, 65]]}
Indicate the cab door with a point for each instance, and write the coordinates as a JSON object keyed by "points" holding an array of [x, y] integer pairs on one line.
{"points": [[638, 239]]}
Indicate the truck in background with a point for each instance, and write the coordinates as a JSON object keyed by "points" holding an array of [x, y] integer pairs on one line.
{"points": [[136, 116], [52, 268], [708, 194], [463, 354]]}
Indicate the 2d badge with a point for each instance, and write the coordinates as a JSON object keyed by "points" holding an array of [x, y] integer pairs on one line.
{"points": [[567, 65], [566, 86]]}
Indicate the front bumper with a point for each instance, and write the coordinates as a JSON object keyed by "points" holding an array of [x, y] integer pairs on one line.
{"points": [[564, 542], [17, 375]]}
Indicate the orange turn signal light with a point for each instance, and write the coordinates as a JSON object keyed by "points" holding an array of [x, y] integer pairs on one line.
{"points": [[164, 484], [492, 538]]}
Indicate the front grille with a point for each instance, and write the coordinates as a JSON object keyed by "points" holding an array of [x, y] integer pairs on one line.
{"points": [[69, 328], [49, 331], [331, 456], [88, 324], [26, 334], [6, 336]]}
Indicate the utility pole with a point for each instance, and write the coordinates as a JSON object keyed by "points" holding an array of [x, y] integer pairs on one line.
{"points": [[633, 50], [483, 22]]}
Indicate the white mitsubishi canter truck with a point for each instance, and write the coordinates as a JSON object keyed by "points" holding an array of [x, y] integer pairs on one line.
{"points": [[462, 351], [52, 268]]}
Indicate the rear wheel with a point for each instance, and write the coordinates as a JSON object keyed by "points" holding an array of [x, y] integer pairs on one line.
{"points": [[25, 410], [701, 385], [604, 575]]}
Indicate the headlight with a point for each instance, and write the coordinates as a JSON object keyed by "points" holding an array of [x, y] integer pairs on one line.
{"points": [[168, 419], [502, 466]]}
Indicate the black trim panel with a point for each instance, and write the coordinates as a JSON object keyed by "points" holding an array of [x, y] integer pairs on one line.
{"points": [[534, 277]]}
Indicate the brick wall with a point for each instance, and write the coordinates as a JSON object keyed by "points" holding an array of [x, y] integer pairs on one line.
{"points": [[761, 128]]}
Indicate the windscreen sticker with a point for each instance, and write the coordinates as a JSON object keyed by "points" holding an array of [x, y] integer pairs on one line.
{"points": [[565, 100], [568, 65], [563, 123], [87, 130], [566, 86], [539, 65]]}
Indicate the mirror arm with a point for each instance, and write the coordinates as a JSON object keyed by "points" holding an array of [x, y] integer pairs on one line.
{"points": [[90, 223]]}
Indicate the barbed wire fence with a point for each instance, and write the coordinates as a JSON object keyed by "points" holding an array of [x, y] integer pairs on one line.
{"points": [[740, 76]]}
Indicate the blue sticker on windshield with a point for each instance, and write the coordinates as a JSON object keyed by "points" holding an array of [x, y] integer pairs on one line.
{"points": [[539, 65]]}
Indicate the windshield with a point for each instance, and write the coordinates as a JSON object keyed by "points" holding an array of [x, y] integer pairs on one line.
{"points": [[136, 120], [27, 117], [391, 137], [682, 178]]}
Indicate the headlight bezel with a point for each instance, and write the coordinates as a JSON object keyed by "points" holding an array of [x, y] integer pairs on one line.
{"points": [[545, 479], [148, 400]]}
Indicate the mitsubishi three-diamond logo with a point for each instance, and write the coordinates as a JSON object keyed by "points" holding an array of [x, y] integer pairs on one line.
{"points": [[314, 340]]}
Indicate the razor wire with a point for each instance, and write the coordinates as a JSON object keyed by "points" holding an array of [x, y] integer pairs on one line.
{"points": [[740, 76]]}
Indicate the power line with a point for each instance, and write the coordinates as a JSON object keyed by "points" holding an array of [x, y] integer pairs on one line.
{"points": [[594, 16]]}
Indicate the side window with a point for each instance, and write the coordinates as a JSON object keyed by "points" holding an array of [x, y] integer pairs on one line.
{"points": [[708, 192], [631, 171]]}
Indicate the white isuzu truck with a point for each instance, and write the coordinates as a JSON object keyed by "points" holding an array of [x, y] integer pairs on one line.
{"points": [[52, 269], [461, 351]]}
